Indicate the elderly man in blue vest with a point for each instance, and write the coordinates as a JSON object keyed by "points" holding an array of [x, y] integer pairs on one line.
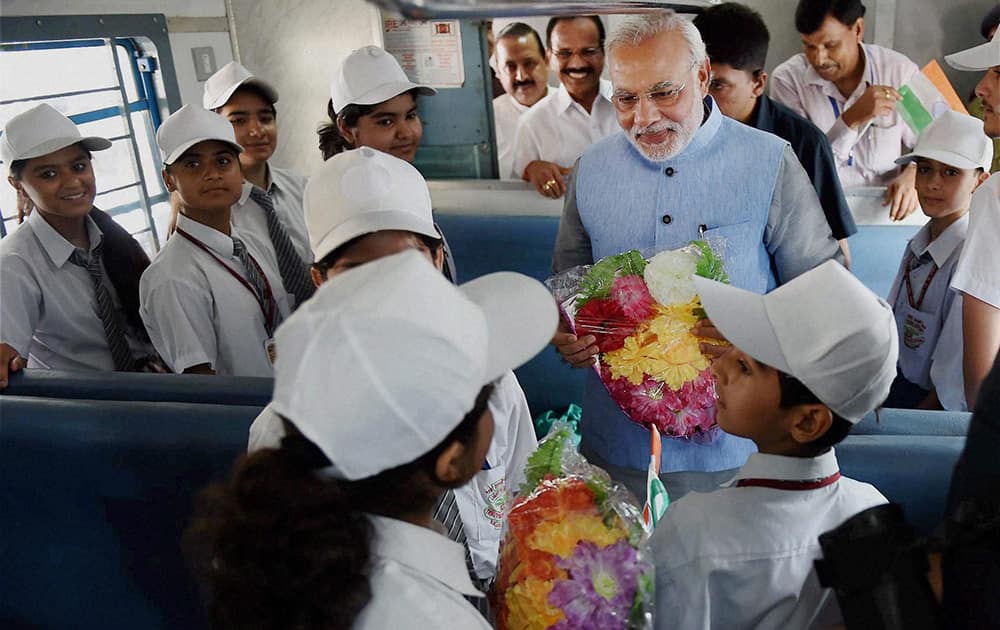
{"points": [[679, 170]]}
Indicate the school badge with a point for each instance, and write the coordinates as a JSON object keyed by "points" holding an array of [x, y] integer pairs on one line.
{"points": [[913, 332]]}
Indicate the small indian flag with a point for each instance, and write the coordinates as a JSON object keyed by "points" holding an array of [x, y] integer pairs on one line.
{"points": [[657, 499], [927, 95]]}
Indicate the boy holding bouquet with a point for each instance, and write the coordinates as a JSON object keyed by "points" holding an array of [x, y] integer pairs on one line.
{"points": [[809, 360], [953, 157]]}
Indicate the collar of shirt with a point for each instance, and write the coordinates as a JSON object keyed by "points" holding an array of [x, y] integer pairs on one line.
{"points": [[829, 89], [946, 242], [56, 247], [425, 551], [565, 101], [706, 132], [780, 467], [215, 240], [763, 115]]}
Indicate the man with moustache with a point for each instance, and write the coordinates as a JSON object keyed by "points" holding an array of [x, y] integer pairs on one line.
{"points": [[553, 134], [519, 62], [849, 89], [679, 171]]}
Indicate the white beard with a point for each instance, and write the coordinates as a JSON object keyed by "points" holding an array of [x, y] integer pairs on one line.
{"points": [[683, 133]]}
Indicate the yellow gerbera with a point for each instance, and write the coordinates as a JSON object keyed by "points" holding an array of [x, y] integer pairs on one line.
{"points": [[560, 537]]}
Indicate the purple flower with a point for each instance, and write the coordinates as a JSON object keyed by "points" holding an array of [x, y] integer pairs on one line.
{"points": [[601, 586]]}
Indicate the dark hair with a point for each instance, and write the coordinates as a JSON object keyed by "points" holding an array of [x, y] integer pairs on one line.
{"points": [[278, 547], [124, 259], [596, 19], [520, 29], [990, 21], [735, 35], [327, 262], [809, 15], [252, 89], [794, 392], [331, 142]]}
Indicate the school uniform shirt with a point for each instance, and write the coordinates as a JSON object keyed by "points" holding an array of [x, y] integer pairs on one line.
{"points": [[929, 313], [418, 581], [506, 113], [978, 273], [48, 306], [286, 191], [558, 129], [866, 155], [195, 310], [742, 556], [481, 502]]}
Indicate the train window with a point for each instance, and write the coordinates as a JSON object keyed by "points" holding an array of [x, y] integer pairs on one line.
{"points": [[108, 87]]}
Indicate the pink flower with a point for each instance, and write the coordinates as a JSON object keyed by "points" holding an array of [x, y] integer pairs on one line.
{"points": [[632, 295]]}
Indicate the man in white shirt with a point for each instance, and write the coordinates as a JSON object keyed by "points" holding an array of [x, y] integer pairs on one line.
{"points": [[519, 62], [849, 89], [561, 126], [977, 275]]}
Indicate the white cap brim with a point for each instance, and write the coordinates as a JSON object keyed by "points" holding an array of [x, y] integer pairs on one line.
{"points": [[383, 93], [516, 335], [741, 316], [369, 222], [945, 157], [222, 99], [91, 143], [982, 57], [184, 146]]}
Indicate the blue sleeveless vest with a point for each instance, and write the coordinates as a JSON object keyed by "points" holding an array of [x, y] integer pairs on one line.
{"points": [[722, 185]]}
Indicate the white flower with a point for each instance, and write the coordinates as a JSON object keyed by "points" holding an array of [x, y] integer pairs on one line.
{"points": [[669, 276]]}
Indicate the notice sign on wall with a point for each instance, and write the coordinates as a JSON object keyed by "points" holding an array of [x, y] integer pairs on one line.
{"points": [[430, 52]]}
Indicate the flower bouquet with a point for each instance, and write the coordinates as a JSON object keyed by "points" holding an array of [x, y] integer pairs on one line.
{"points": [[575, 554], [641, 313]]}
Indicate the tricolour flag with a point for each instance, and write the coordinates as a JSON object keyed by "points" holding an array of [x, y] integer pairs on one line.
{"points": [[927, 95], [657, 499]]}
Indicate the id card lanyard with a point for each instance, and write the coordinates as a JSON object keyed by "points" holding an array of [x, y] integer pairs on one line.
{"points": [[915, 304], [836, 110], [268, 305]]}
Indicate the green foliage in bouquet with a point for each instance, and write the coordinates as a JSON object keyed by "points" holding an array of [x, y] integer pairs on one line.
{"points": [[597, 282], [710, 265]]}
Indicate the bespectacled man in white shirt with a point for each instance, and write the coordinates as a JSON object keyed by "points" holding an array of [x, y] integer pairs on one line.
{"points": [[561, 126], [519, 61], [850, 89]]}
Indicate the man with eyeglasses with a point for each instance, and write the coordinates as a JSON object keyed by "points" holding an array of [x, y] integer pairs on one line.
{"points": [[553, 134], [850, 89], [736, 39], [679, 171], [519, 62]]}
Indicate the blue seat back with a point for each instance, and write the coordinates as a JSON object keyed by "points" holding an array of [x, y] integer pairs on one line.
{"points": [[191, 388], [914, 471], [876, 251], [94, 496], [914, 422]]}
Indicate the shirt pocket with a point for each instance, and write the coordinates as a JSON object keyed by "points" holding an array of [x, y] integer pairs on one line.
{"points": [[741, 246]]}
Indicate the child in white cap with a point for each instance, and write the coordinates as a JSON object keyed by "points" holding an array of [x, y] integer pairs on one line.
{"points": [[374, 104], [382, 383], [977, 275], [809, 360], [69, 276], [269, 210], [363, 205], [210, 299], [953, 158]]}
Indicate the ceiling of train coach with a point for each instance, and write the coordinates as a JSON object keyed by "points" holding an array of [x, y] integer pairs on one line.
{"points": [[441, 9]]}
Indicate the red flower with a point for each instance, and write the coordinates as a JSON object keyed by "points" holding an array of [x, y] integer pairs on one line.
{"points": [[604, 319]]}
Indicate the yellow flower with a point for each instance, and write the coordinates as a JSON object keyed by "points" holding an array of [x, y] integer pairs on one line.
{"points": [[560, 537], [528, 605]]}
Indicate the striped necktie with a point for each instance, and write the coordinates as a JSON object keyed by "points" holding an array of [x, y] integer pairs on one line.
{"points": [[447, 515], [114, 327], [257, 281], [294, 272]]}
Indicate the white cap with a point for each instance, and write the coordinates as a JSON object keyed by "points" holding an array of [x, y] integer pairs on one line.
{"points": [[956, 140], [42, 130], [221, 85], [368, 76], [981, 57], [385, 360], [824, 328], [190, 125], [361, 191]]}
